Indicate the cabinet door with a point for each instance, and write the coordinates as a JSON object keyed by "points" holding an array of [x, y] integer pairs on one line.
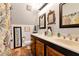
{"points": [[33, 45], [39, 48], [51, 52]]}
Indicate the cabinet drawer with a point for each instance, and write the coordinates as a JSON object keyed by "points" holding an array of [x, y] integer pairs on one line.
{"points": [[52, 52]]}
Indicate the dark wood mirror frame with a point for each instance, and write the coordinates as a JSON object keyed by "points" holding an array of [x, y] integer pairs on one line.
{"points": [[40, 17], [14, 33], [60, 19]]}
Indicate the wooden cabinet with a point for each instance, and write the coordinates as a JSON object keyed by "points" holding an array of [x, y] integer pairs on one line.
{"points": [[52, 52], [33, 45], [39, 48]]}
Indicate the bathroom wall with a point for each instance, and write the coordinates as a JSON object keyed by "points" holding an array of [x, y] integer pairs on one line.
{"points": [[26, 31], [20, 15], [55, 27]]}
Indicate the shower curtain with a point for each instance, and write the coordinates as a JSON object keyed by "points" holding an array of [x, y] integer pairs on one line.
{"points": [[4, 29]]}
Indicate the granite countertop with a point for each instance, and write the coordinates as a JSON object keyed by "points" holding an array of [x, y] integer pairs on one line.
{"points": [[68, 44]]}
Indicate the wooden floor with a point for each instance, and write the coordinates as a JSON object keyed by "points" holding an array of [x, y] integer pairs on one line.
{"points": [[21, 52]]}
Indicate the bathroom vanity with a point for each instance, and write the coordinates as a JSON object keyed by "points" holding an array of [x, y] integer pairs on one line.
{"points": [[53, 46]]}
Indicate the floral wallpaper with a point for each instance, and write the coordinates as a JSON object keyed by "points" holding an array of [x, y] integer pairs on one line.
{"points": [[4, 28]]}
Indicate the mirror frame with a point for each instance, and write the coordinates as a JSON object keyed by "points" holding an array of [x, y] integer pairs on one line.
{"points": [[14, 33], [60, 19]]}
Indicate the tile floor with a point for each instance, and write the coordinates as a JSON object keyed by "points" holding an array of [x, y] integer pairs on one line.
{"points": [[23, 51]]}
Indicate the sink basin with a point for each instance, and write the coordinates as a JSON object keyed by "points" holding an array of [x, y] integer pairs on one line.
{"points": [[68, 42]]}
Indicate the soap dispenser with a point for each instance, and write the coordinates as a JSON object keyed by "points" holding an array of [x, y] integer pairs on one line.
{"points": [[58, 34], [49, 31]]}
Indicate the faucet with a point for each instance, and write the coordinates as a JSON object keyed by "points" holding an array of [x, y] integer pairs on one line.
{"points": [[70, 37]]}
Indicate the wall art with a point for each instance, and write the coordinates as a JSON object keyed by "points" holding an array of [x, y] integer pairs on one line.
{"points": [[51, 17], [69, 15], [42, 21]]}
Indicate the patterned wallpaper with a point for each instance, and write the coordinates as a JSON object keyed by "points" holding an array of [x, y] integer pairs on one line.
{"points": [[4, 28]]}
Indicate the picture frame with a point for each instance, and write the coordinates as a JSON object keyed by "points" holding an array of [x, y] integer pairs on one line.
{"points": [[17, 37], [51, 17], [68, 15], [42, 21]]}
